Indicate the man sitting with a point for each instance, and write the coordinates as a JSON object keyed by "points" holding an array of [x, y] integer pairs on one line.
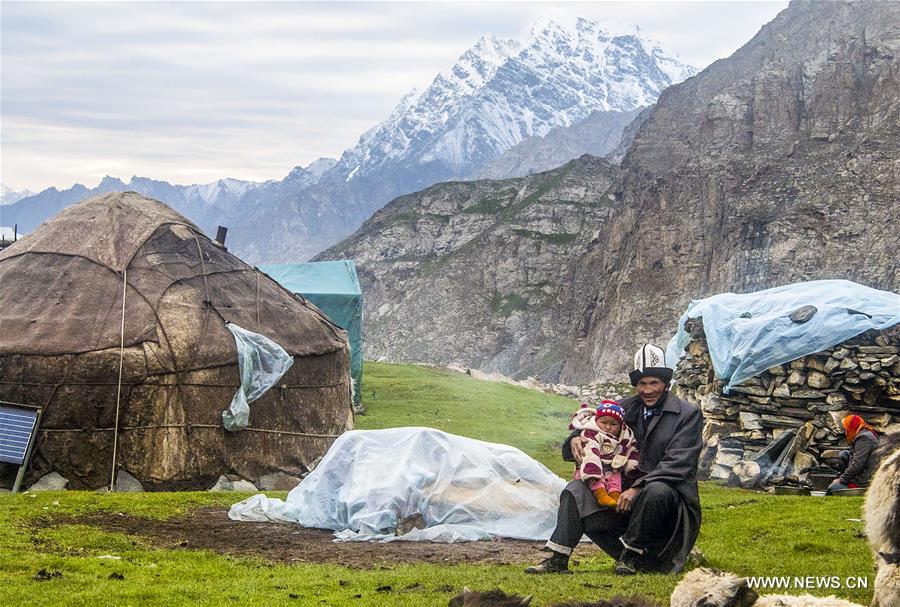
{"points": [[657, 518]]}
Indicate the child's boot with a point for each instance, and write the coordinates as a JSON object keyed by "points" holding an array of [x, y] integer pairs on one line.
{"points": [[603, 498]]}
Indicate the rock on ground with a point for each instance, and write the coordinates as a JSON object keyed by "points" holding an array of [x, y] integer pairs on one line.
{"points": [[279, 481], [125, 483], [50, 482], [242, 485], [226, 484]]}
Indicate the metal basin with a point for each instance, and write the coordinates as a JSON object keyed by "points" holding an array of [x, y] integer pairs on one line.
{"points": [[849, 492], [791, 490], [820, 481]]}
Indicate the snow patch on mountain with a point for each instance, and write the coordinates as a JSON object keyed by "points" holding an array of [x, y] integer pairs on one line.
{"points": [[501, 92], [10, 196]]}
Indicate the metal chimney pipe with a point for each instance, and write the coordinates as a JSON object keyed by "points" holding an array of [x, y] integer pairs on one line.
{"points": [[221, 233]]}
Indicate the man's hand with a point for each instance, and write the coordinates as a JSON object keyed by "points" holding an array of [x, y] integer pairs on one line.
{"points": [[626, 500], [577, 446]]}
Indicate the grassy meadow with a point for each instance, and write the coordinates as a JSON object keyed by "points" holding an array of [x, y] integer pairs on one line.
{"points": [[407, 395], [747, 532]]}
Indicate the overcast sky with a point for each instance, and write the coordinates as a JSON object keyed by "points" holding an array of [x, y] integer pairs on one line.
{"points": [[193, 92]]}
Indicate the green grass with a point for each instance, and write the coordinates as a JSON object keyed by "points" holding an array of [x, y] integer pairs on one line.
{"points": [[401, 217], [409, 395], [506, 303], [746, 532], [485, 206], [549, 184], [560, 238]]}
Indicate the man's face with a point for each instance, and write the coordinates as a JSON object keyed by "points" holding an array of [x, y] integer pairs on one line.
{"points": [[650, 389]]}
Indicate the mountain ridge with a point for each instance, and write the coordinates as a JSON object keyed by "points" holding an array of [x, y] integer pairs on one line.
{"points": [[771, 166], [496, 94]]}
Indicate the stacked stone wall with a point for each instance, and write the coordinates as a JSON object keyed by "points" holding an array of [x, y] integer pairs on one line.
{"points": [[773, 427]]}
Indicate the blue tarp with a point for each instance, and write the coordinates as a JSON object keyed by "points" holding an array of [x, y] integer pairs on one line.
{"points": [[742, 347], [333, 287]]}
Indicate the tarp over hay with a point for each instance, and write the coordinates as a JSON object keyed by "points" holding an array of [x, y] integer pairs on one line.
{"points": [[61, 322], [371, 481]]}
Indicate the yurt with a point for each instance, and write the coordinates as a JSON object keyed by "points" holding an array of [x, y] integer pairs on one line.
{"points": [[114, 319]]}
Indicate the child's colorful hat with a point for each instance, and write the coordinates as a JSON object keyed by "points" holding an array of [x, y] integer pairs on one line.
{"points": [[610, 408]]}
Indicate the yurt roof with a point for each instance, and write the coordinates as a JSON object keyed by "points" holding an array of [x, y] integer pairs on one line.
{"points": [[181, 289], [107, 230]]}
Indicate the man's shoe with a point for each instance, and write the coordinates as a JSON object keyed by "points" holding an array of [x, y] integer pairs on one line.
{"points": [[625, 568], [627, 562], [555, 563]]}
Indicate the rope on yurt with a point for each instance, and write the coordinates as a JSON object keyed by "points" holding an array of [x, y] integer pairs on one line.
{"points": [[186, 383], [207, 304], [204, 426], [258, 328], [112, 475]]}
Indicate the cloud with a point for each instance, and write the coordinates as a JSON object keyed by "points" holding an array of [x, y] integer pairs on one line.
{"points": [[213, 89]]}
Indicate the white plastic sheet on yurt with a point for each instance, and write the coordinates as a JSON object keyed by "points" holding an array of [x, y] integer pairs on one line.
{"points": [[262, 362]]}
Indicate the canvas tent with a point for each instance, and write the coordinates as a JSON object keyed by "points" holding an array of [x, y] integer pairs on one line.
{"points": [[64, 331], [334, 287]]}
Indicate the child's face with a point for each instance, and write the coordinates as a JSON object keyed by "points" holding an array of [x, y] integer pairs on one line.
{"points": [[610, 425]]}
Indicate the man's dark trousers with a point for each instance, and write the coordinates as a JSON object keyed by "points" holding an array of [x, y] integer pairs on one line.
{"points": [[650, 521]]}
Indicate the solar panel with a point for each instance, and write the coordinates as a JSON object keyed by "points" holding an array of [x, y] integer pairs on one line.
{"points": [[16, 426]]}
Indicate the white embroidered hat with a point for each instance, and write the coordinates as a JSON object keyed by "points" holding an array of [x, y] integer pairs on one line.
{"points": [[650, 361]]}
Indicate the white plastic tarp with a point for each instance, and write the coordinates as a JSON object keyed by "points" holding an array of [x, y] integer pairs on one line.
{"points": [[748, 333], [465, 489], [261, 363]]}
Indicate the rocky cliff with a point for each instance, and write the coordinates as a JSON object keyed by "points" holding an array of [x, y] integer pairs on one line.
{"points": [[775, 165], [599, 134], [478, 271]]}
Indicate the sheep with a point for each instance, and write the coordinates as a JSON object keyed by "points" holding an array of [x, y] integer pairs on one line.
{"points": [[491, 598], [616, 601], [498, 598], [881, 512], [707, 588]]}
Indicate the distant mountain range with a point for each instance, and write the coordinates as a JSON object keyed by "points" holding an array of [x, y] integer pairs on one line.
{"points": [[497, 95], [8, 196], [775, 165]]}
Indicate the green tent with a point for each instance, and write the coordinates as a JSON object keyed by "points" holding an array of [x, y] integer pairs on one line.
{"points": [[334, 288]]}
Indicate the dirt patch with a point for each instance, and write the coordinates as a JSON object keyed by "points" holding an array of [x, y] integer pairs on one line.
{"points": [[211, 529]]}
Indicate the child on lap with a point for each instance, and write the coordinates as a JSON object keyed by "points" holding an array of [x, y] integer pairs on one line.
{"points": [[609, 452]]}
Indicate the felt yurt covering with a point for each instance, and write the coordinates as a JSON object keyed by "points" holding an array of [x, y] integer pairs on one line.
{"points": [[61, 326]]}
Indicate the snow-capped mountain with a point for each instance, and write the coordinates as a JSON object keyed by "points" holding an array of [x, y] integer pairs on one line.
{"points": [[501, 92], [497, 94], [9, 196]]}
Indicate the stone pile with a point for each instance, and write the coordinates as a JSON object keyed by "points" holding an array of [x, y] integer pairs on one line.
{"points": [[590, 393], [771, 428]]}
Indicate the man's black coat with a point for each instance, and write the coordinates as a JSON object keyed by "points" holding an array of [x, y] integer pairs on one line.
{"points": [[670, 444]]}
